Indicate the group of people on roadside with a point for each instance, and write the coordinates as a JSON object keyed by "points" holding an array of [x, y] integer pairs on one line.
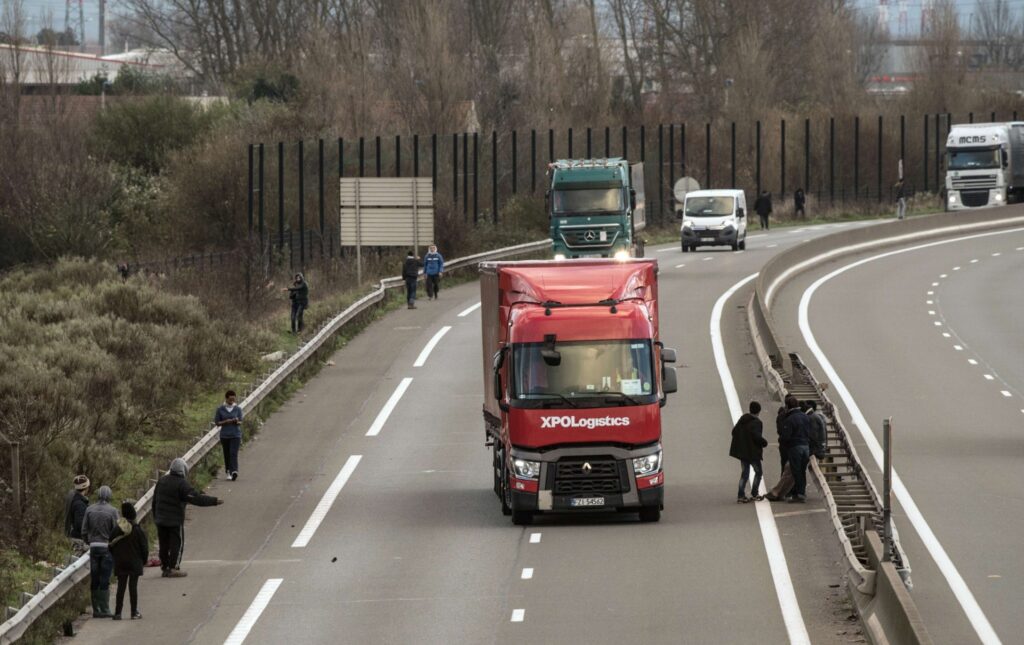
{"points": [[802, 433], [433, 269], [763, 206]]}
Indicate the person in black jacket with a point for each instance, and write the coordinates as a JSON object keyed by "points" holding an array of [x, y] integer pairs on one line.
{"points": [[799, 203], [747, 445], [763, 207], [172, 493], [796, 433], [130, 549], [75, 503], [298, 293], [410, 273]]}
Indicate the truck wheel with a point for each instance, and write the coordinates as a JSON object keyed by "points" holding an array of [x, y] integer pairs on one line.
{"points": [[743, 244], [650, 513], [496, 468], [522, 518], [506, 493], [735, 246]]}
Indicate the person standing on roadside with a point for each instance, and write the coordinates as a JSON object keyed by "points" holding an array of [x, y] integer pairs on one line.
{"points": [[747, 445], [763, 207], [130, 549], [785, 483], [172, 493], [796, 432], [433, 268], [799, 201], [228, 418], [900, 192], [411, 273], [298, 293], [98, 525], [75, 503], [819, 430]]}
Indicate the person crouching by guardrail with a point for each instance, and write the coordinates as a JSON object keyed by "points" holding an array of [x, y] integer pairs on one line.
{"points": [[747, 445], [172, 494], [228, 418], [433, 269], [98, 526], [130, 549], [410, 273], [298, 293], [75, 503]]}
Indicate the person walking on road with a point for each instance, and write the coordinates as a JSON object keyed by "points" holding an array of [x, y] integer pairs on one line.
{"points": [[747, 445], [819, 430], [796, 432], [411, 273], [130, 549], [172, 493], [75, 504], [228, 418], [433, 268], [763, 207], [900, 192], [799, 201], [785, 483], [98, 525], [298, 293]]}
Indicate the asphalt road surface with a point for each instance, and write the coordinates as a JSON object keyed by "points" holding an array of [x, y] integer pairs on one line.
{"points": [[333, 536], [931, 335]]}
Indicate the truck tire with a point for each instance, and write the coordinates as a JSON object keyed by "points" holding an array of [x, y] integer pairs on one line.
{"points": [[685, 248], [522, 518], [506, 492], [650, 513], [743, 244], [735, 246]]}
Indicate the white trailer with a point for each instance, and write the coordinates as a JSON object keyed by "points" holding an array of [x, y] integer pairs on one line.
{"points": [[984, 164]]}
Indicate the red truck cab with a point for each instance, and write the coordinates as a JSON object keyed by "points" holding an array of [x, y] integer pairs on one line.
{"points": [[575, 377]]}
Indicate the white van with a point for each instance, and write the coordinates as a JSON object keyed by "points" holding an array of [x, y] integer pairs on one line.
{"points": [[714, 218]]}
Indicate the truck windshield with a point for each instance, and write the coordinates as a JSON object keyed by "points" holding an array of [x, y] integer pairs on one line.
{"points": [[709, 206], [589, 374], [971, 159], [586, 200]]}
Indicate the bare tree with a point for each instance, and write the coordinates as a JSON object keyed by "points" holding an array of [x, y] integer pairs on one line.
{"points": [[1001, 35]]}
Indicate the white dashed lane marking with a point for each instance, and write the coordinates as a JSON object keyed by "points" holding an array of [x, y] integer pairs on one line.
{"points": [[989, 377], [518, 615], [1006, 393], [535, 538], [527, 573], [972, 361]]}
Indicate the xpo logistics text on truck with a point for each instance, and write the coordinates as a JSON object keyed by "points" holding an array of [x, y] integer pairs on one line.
{"points": [[596, 208], [574, 381], [984, 164]]}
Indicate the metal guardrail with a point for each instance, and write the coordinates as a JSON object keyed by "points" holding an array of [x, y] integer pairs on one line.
{"points": [[75, 572]]}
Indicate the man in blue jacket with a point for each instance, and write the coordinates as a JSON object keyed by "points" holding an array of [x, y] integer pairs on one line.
{"points": [[229, 419], [433, 268]]}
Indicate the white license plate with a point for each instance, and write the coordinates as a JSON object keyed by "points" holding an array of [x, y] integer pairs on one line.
{"points": [[586, 501]]}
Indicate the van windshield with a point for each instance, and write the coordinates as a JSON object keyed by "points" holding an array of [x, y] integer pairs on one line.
{"points": [[971, 159], [709, 206], [586, 200]]}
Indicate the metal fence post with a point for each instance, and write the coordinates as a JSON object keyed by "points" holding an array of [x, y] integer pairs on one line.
{"points": [[569, 140], [415, 155], [589, 149], [903, 145], [494, 177], [280, 195], [992, 118], [970, 117], [465, 176], [533, 162], [302, 206], [643, 144], [782, 159], [671, 155], [455, 170], [551, 145], [856, 158], [515, 163], [887, 490], [476, 177], [433, 162], [398, 155], [707, 154], [607, 142], [362, 157], [377, 154], [661, 171], [16, 476], [262, 189], [807, 157], [625, 142], [682, 150], [879, 157], [832, 160], [249, 204], [938, 151], [757, 157], [924, 156], [320, 190], [732, 154], [341, 157]]}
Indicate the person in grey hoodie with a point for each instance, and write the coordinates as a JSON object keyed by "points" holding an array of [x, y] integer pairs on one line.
{"points": [[98, 525]]}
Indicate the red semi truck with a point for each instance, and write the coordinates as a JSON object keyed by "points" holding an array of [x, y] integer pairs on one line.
{"points": [[575, 377]]}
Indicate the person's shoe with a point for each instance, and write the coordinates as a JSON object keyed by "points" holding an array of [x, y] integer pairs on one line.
{"points": [[175, 573], [102, 605], [165, 573], [791, 499], [800, 499], [234, 475], [117, 616], [136, 615], [757, 498], [742, 500]]}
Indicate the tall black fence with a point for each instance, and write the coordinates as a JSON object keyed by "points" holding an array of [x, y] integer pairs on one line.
{"points": [[835, 160]]}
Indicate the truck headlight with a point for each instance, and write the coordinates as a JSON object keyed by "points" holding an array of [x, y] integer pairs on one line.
{"points": [[647, 465], [952, 199], [621, 255], [559, 256], [998, 197], [526, 469], [687, 224]]}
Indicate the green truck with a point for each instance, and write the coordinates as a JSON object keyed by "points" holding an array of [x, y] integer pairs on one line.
{"points": [[596, 208]]}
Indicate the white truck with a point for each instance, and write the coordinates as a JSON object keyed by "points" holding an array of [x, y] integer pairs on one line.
{"points": [[984, 164]]}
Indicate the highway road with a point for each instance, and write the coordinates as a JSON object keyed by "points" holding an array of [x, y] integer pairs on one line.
{"points": [[930, 334], [364, 511]]}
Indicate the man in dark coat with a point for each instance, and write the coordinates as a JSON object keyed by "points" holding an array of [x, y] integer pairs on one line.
{"points": [[298, 293], [130, 549], [747, 445], [763, 207], [410, 273], [819, 429], [75, 503], [172, 493], [799, 202], [785, 483], [796, 433]]}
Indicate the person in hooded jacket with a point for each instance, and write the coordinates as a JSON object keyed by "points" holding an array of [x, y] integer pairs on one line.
{"points": [[298, 293], [75, 503], [763, 207], [410, 273], [98, 525], [748, 444], [433, 269], [819, 430], [796, 433], [172, 494], [785, 484], [130, 549]]}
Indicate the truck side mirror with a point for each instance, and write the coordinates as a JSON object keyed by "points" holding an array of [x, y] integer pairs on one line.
{"points": [[669, 384], [632, 199], [740, 213], [668, 355]]}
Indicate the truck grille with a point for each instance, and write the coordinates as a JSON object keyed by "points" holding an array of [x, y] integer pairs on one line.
{"points": [[579, 238], [603, 477], [974, 198], [978, 182]]}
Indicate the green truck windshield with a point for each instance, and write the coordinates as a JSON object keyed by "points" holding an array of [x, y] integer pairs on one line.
{"points": [[586, 200], [586, 370]]}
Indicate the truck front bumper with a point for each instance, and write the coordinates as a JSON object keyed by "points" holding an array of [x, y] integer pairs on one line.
{"points": [[709, 237], [957, 200], [566, 484]]}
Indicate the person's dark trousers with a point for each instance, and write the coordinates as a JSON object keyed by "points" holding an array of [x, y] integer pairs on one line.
{"points": [[101, 566], [783, 458], [172, 542], [297, 311], [433, 285], [230, 447], [764, 222], [799, 457], [756, 484], [410, 291], [132, 584]]}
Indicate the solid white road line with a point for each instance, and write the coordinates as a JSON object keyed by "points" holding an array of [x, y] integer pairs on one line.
{"points": [[791, 615], [1005, 393], [680, 266], [385, 412], [468, 310], [972, 361], [527, 573], [422, 358], [534, 538], [956, 582], [322, 508], [518, 615], [252, 614], [989, 377]]}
